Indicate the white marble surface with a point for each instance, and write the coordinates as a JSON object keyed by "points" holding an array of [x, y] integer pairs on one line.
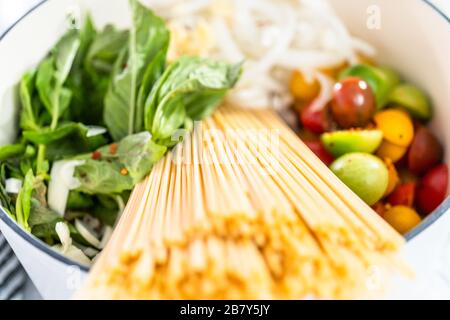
{"points": [[10, 11]]}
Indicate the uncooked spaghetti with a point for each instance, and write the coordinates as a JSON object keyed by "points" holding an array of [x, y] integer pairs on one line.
{"points": [[242, 209]]}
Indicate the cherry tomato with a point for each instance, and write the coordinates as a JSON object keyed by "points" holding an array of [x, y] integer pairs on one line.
{"points": [[403, 195], [425, 151], [433, 188], [316, 121], [353, 103], [393, 177], [402, 218], [320, 151], [379, 208], [302, 89]]}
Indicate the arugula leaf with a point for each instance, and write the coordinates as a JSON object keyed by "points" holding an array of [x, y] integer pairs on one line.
{"points": [[148, 37], [190, 88]]}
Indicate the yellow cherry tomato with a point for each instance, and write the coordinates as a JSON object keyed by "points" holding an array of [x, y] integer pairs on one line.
{"points": [[393, 177], [391, 151], [364, 59], [396, 125], [402, 218], [302, 89], [334, 71]]}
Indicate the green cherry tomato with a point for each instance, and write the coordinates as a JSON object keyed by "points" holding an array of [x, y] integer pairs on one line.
{"points": [[413, 100], [364, 174], [339, 143]]}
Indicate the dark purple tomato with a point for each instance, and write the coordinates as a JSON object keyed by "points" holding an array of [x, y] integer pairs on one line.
{"points": [[353, 103]]}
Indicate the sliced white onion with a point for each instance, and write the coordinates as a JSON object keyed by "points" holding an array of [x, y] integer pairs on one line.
{"points": [[95, 131], [364, 47], [304, 35], [13, 185], [66, 247], [227, 45], [87, 234], [106, 236], [90, 252], [326, 92], [63, 232], [61, 182], [308, 59], [186, 8]]}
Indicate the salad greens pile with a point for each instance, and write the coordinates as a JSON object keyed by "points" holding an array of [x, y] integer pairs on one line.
{"points": [[96, 114]]}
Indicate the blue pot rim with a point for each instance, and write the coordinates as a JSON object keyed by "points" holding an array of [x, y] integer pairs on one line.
{"points": [[39, 244]]}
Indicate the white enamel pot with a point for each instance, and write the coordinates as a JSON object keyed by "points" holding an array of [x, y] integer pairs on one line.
{"points": [[411, 35]]}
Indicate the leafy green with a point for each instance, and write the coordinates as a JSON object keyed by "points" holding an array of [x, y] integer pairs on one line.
{"points": [[113, 78], [102, 177], [43, 220], [189, 88], [76, 81], [29, 112], [104, 50], [23, 202], [91, 73], [138, 153], [5, 200], [116, 172], [12, 151], [60, 142], [107, 209], [148, 38], [53, 72], [79, 201]]}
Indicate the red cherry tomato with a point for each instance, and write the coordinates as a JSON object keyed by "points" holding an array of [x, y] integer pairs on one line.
{"points": [[353, 103], [403, 195], [379, 208], [425, 151], [315, 121], [433, 188], [320, 151]]}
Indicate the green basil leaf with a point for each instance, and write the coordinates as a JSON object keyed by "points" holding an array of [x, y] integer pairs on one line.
{"points": [[23, 202], [102, 177], [29, 110], [189, 88], [53, 72], [148, 36], [138, 153], [12, 151]]}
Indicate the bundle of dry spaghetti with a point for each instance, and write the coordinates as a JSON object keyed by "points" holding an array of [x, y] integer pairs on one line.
{"points": [[242, 209]]}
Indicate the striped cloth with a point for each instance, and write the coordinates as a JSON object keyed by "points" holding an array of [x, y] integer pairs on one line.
{"points": [[12, 276]]}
